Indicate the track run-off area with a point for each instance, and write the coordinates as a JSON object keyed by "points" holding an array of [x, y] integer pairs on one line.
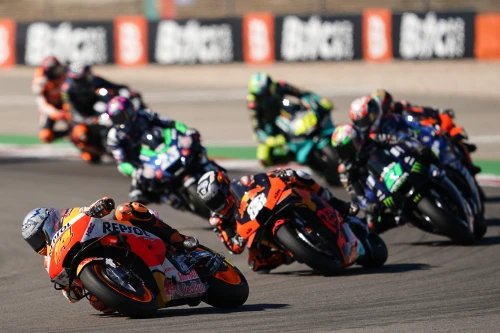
{"points": [[427, 284]]}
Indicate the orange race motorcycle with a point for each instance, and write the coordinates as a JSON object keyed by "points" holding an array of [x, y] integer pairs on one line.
{"points": [[135, 272], [300, 223]]}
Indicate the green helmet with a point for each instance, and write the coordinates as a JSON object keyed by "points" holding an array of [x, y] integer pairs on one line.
{"points": [[345, 140], [259, 83]]}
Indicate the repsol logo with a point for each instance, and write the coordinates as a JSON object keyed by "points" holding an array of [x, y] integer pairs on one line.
{"points": [[193, 42], [431, 36], [108, 227], [316, 39], [85, 44]]}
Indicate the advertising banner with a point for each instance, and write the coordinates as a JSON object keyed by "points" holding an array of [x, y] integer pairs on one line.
{"points": [[89, 42], [131, 38], [433, 35], [195, 41], [377, 34], [314, 38], [258, 38], [487, 36], [7, 43]]}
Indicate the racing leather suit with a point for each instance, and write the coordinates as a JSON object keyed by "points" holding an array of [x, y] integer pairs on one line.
{"points": [[444, 118], [261, 257], [391, 128], [125, 145], [48, 100], [80, 101], [263, 112], [141, 217]]}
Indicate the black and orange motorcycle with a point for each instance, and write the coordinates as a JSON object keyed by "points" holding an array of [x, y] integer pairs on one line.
{"points": [[300, 223]]}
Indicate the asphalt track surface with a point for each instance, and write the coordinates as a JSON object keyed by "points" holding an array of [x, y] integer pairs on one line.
{"points": [[427, 285]]}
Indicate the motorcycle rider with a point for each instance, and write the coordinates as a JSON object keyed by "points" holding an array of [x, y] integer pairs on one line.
{"points": [[124, 141], [372, 129], [430, 117], [46, 86], [214, 188], [264, 103], [79, 96], [133, 212]]}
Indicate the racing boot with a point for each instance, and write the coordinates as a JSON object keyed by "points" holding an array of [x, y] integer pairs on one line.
{"points": [[100, 306], [262, 265]]}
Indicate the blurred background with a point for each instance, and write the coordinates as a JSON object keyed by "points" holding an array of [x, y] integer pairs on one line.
{"points": [[108, 9]]}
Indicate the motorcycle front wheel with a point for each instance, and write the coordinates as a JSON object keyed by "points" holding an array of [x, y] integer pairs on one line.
{"points": [[445, 221]]}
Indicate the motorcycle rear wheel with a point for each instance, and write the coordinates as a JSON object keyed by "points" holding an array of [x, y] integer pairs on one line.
{"points": [[304, 253], [228, 288], [133, 300]]}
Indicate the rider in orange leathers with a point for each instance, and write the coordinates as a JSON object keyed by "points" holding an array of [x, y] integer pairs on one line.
{"points": [[46, 86], [133, 212]]}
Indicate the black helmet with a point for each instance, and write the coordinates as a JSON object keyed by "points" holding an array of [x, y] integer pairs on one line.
{"points": [[213, 189]]}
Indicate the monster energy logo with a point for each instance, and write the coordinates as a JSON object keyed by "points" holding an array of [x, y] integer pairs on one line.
{"points": [[388, 202], [417, 197], [416, 167], [394, 173]]}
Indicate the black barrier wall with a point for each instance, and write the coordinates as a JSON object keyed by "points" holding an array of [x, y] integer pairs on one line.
{"points": [[313, 38], [90, 42], [195, 41], [433, 35]]}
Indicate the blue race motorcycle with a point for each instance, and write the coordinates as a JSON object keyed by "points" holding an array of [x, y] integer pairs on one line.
{"points": [[308, 128], [173, 161], [449, 158], [422, 195]]}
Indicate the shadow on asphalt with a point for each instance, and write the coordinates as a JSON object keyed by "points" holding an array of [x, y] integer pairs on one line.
{"points": [[493, 199], [486, 241], [180, 312], [172, 312], [493, 221], [386, 269]]}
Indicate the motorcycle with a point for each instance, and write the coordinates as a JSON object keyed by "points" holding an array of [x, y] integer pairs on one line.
{"points": [[449, 156], [422, 195], [308, 129], [134, 272], [173, 160], [296, 221], [90, 134]]}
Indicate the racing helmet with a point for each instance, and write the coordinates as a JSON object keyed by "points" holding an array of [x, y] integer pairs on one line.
{"points": [[260, 83], [80, 74], [52, 68], [346, 141], [213, 189], [364, 111], [121, 111], [33, 225], [384, 98]]}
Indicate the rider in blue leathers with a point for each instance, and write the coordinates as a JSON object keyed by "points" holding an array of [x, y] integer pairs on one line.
{"points": [[124, 141], [354, 144]]}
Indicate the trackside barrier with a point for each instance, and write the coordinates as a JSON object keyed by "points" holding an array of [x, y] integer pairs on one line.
{"points": [[377, 34]]}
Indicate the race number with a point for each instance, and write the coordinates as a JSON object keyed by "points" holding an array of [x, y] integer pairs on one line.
{"points": [[166, 159], [306, 123], [256, 205]]}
